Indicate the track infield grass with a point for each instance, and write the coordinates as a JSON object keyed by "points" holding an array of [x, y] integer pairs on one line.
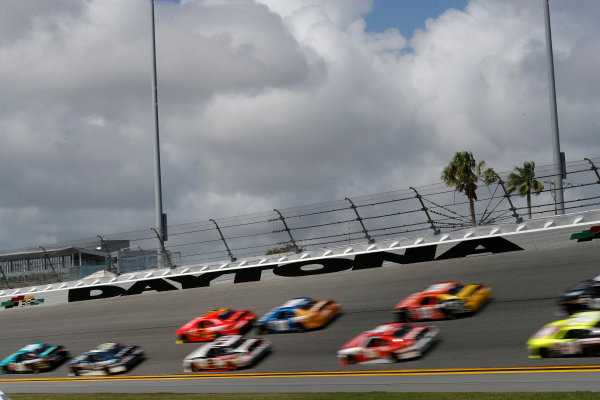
{"points": [[311, 396]]}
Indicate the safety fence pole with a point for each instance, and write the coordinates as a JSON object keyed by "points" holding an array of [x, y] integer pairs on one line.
{"points": [[594, 168], [287, 228], [5, 278], [112, 268], [50, 262], [359, 219], [163, 249], [436, 231], [507, 195], [231, 257]]}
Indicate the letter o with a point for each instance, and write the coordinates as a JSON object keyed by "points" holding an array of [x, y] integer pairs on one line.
{"points": [[328, 266]]}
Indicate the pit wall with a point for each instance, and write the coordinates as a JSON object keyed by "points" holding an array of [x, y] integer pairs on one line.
{"points": [[563, 231]]}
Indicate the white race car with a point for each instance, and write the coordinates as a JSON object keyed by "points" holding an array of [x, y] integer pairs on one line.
{"points": [[227, 353]]}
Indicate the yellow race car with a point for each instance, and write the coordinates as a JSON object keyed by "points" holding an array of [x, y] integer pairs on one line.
{"points": [[443, 300], [578, 335]]}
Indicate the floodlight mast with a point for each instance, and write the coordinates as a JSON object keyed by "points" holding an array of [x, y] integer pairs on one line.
{"points": [[157, 181], [559, 168]]}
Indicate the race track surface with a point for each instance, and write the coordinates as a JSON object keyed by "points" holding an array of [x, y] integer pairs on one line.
{"points": [[525, 287]]}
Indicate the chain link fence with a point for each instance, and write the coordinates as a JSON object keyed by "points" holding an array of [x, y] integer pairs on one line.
{"points": [[415, 211]]}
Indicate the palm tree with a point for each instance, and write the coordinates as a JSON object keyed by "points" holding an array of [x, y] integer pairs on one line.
{"points": [[463, 172], [524, 181]]}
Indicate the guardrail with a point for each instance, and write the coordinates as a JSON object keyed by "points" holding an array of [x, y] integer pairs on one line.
{"points": [[400, 215]]}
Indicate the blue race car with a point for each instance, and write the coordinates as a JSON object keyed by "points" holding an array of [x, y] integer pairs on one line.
{"points": [[298, 315], [35, 357], [106, 359]]}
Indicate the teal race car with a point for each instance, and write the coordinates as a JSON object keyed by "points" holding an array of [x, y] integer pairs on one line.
{"points": [[578, 335], [35, 357]]}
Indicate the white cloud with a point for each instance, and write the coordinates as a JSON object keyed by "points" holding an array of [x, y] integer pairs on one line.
{"points": [[267, 104]]}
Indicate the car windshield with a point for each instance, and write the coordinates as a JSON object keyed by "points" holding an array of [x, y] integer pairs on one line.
{"points": [[225, 315], [546, 331], [308, 305], [41, 349], [217, 352], [455, 289], [403, 330]]}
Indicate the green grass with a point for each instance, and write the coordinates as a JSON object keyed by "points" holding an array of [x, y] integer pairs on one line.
{"points": [[313, 396]]}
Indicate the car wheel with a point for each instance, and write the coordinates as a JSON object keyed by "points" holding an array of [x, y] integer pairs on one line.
{"points": [[544, 353], [6, 370], [75, 371], [301, 328], [194, 368], [394, 357], [262, 330], [231, 367], [184, 338], [350, 360], [106, 370]]}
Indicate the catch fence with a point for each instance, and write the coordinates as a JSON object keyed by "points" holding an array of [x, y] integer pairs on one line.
{"points": [[414, 211]]}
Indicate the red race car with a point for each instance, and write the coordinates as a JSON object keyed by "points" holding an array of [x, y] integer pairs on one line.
{"points": [[222, 321], [389, 343], [443, 300]]}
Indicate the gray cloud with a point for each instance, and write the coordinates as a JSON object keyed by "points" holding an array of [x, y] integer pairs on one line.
{"points": [[268, 104]]}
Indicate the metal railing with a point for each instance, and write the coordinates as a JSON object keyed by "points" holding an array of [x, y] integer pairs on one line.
{"points": [[430, 209]]}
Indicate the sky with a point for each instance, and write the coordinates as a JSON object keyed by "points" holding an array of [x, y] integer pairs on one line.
{"points": [[268, 104]]}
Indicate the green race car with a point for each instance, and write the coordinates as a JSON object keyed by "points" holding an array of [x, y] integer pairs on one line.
{"points": [[578, 335]]}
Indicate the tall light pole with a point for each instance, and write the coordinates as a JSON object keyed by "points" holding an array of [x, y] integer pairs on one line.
{"points": [[558, 163], [160, 217]]}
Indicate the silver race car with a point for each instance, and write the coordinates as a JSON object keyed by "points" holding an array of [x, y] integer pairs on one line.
{"points": [[227, 353]]}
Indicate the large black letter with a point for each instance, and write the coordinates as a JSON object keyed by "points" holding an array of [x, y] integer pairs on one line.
{"points": [[411, 255], [241, 275], [329, 265], [85, 293], [158, 285], [489, 245]]}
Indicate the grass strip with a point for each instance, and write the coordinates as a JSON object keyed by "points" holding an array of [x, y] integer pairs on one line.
{"points": [[311, 396]]}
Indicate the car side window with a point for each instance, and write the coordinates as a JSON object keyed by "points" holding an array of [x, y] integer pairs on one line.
{"points": [[575, 334]]}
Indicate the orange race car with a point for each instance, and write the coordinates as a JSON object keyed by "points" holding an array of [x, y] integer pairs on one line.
{"points": [[298, 315], [221, 321], [443, 300]]}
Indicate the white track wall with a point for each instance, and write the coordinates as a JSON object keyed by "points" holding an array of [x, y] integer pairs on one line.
{"points": [[536, 234]]}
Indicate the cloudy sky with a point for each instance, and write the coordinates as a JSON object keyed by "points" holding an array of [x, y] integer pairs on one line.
{"points": [[272, 104]]}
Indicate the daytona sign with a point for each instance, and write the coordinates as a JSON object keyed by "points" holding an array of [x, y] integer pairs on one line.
{"points": [[295, 269]]}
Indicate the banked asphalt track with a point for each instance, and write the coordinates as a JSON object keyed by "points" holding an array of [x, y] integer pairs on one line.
{"points": [[484, 352]]}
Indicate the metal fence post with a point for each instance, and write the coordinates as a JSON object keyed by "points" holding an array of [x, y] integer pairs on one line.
{"points": [[111, 268], [507, 195], [287, 228], [5, 278], [52, 265], [359, 219], [594, 168], [163, 249], [436, 231], [231, 257]]}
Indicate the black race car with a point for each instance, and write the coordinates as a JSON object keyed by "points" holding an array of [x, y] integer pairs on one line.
{"points": [[582, 297], [106, 359]]}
